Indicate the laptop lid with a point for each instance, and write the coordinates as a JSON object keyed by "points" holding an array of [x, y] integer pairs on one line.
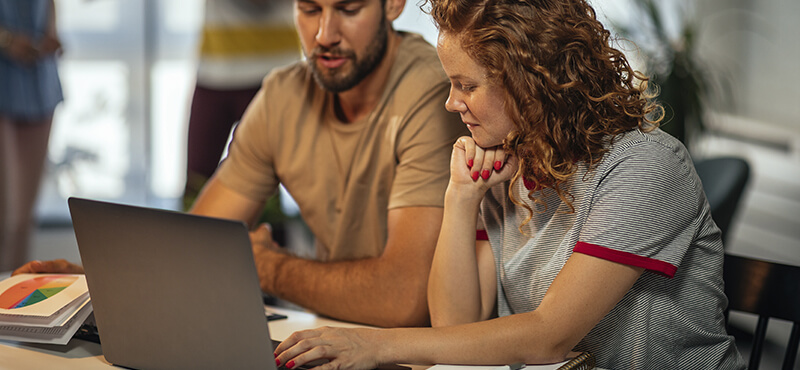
{"points": [[171, 290]]}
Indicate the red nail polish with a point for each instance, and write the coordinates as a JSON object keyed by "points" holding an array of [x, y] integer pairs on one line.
{"points": [[485, 174], [475, 176], [277, 362], [497, 165], [470, 162], [290, 364]]}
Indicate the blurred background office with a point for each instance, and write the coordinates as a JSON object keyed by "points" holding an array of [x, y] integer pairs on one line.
{"points": [[129, 70]]}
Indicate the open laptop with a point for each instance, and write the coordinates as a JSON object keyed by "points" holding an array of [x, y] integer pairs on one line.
{"points": [[171, 290]]}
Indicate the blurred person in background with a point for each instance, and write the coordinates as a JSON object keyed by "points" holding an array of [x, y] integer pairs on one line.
{"points": [[30, 89], [240, 42]]}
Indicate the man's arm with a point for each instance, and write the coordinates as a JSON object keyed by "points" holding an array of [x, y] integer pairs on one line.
{"points": [[389, 290], [218, 200]]}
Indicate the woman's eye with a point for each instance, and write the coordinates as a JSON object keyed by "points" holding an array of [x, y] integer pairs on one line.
{"points": [[459, 86]]}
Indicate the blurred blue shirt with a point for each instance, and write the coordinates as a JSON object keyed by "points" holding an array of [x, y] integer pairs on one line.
{"points": [[28, 91]]}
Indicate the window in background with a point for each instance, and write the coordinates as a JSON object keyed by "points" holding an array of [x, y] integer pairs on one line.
{"points": [[127, 70]]}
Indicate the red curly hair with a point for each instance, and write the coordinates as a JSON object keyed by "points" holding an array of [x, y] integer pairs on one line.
{"points": [[568, 91]]}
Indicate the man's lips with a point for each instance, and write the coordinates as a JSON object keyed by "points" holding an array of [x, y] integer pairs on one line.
{"points": [[331, 61]]}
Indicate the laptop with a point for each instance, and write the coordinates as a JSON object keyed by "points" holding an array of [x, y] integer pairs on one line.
{"points": [[171, 290]]}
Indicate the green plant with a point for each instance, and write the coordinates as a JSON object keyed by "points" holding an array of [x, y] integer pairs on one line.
{"points": [[671, 61]]}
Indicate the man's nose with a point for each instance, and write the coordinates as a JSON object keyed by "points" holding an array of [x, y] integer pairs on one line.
{"points": [[328, 33]]}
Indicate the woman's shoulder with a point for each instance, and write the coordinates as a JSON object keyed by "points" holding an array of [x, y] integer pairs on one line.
{"points": [[653, 157], [639, 140], [646, 148]]}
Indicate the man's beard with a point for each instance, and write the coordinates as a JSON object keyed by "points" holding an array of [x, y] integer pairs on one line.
{"points": [[336, 80]]}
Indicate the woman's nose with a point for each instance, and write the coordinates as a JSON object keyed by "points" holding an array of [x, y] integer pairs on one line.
{"points": [[454, 103]]}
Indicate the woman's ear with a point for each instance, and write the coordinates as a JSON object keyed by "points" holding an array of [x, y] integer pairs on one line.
{"points": [[393, 9]]}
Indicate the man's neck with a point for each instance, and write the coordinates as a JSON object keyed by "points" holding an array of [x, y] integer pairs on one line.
{"points": [[354, 104]]}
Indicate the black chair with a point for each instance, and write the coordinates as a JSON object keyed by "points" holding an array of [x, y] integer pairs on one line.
{"points": [[769, 290], [723, 180]]}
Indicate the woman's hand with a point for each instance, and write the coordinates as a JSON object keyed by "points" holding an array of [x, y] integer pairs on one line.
{"points": [[478, 169], [346, 348]]}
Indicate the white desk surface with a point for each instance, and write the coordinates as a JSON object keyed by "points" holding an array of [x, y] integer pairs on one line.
{"points": [[80, 354]]}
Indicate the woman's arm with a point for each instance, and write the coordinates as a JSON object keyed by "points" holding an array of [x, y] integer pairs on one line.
{"points": [[585, 290], [462, 283]]}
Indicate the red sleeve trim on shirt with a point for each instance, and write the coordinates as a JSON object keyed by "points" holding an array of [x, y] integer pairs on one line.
{"points": [[481, 235], [654, 265]]}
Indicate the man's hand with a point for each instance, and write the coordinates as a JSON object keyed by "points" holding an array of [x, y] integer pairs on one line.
{"points": [[262, 237], [266, 253], [59, 266]]}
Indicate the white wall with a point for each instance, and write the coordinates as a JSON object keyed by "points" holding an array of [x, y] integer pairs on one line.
{"points": [[757, 42], [414, 20]]}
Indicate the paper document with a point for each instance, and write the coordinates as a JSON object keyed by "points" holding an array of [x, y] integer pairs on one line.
{"points": [[502, 367], [43, 308]]}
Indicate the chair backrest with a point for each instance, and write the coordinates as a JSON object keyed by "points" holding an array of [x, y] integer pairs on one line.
{"points": [[769, 290], [724, 179]]}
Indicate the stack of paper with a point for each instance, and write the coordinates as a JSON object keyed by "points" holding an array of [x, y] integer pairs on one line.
{"points": [[43, 308], [583, 361]]}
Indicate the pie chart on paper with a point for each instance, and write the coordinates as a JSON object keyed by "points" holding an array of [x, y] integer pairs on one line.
{"points": [[34, 290]]}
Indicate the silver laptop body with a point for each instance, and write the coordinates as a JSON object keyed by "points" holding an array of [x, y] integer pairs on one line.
{"points": [[171, 290]]}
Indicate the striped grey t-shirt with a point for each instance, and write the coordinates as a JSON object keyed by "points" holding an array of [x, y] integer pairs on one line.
{"points": [[643, 205]]}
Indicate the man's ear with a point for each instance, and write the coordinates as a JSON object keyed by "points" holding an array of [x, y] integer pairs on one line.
{"points": [[394, 8]]}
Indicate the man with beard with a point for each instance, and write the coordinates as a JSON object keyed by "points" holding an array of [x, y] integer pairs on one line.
{"points": [[358, 135]]}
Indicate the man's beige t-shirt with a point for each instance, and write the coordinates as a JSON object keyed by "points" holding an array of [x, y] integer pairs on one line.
{"points": [[345, 177]]}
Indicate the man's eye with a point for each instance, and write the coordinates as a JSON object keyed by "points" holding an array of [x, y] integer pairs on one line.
{"points": [[351, 10], [467, 88], [309, 10]]}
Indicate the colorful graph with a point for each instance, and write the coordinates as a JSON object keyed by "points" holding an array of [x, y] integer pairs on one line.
{"points": [[34, 290]]}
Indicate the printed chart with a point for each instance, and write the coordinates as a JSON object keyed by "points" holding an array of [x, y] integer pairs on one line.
{"points": [[34, 290]]}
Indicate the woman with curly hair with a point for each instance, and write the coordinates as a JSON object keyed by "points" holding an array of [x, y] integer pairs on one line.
{"points": [[593, 230]]}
